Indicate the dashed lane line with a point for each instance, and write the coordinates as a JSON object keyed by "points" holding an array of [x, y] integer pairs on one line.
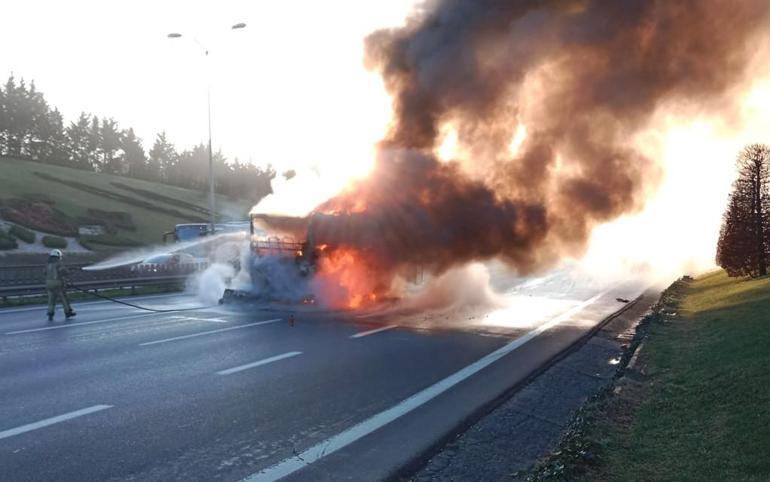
{"points": [[259, 363], [347, 437], [372, 332], [209, 332], [51, 421], [195, 318]]}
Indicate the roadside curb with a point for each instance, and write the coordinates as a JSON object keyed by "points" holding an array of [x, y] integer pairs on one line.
{"points": [[422, 460], [575, 450]]}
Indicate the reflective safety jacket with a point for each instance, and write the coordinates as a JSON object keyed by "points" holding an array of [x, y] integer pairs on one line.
{"points": [[55, 273]]}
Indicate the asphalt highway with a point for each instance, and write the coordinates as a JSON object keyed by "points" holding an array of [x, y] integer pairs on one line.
{"points": [[222, 393]]}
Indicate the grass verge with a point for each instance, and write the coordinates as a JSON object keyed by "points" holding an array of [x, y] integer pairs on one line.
{"points": [[697, 404], [148, 224]]}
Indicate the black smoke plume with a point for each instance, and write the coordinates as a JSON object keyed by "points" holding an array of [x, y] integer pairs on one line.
{"points": [[583, 76]]}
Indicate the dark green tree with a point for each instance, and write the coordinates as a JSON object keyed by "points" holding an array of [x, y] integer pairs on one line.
{"points": [[49, 142], [109, 137], [19, 117], [5, 117], [134, 158], [30, 128], [37, 124], [744, 240], [94, 145], [163, 156], [192, 169], [77, 143]]}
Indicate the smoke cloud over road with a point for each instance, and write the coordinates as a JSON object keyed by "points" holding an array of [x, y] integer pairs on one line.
{"points": [[544, 98]]}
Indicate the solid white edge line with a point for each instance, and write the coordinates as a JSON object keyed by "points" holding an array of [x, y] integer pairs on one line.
{"points": [[73, 325], [258, 363], [342, 439], [53, 420], [201, 333], [372, 332]]}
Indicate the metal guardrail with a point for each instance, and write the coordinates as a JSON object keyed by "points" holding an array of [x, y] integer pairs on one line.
{"points": [[24, 280]]}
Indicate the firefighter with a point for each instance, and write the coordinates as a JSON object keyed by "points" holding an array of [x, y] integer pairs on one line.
{"points": [[55, 280]]}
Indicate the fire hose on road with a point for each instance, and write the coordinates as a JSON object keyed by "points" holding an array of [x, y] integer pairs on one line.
{"points": [[138, 307], [27, 280]]}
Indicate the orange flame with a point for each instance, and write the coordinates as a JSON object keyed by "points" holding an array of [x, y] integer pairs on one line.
{"points": [[359, 206], [345, 280]]}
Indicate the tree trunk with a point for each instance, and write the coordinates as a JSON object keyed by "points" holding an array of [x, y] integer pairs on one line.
{"points": [[758, 217]]}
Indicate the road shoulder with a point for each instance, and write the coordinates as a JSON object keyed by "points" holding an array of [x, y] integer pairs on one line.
{"points": [[527, 426]]}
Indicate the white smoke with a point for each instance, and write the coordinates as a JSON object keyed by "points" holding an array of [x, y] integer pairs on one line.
{"points": [[462, 286], [298, 195], [278, 279], [209, 285]]}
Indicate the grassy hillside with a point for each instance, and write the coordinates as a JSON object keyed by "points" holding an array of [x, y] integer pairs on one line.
{"points": [[153, 208], [703, 409]]}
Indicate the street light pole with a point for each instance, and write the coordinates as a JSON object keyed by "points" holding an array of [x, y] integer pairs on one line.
{"points": [[212, 205], [212, 202]]}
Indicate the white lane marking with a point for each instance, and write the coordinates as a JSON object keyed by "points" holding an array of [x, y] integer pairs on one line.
{"points": [[370, 315], [53, 420], [331, 445], [372, 332], [72, 325], [259, 363], [209, 332], [195, 318]]}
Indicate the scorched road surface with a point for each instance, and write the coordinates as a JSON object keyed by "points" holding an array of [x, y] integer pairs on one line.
{"points": [[230, 394]]}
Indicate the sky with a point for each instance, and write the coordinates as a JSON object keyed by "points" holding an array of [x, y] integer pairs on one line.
{"points": [[677, 230], [290, 89]]}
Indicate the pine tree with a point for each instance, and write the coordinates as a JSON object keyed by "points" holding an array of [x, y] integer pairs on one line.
{"points": [[152, 168], [37, 127], [109, 137], [18, 117], [164, 156], [744, 240], [77, 143], [50, 142], [29, 127], [734, 252], [94, 145], [134, 157], [193, 169], [5, 120]]}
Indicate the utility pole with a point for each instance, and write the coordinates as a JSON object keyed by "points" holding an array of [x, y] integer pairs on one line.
{"points": [[212, 198]]}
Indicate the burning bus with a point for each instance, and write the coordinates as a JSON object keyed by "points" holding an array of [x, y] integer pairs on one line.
{"points": [[279, 263], [306, 257]]}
